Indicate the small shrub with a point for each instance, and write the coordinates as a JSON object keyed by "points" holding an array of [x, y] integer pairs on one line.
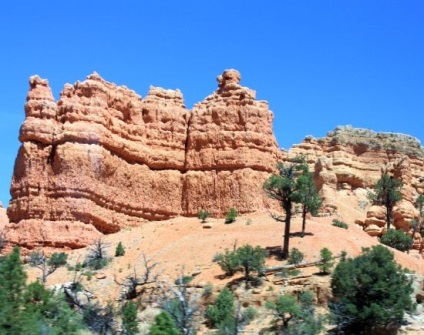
{"points": [[183, 280], [249, 314], [228, 262], [120, 250], [164, 325], [294, 272], [285, 273], [223, 307], [296, 256], [129, 318], [231, 215], [96, 258], [203, 215], [207, 290], [397, 239], [327, 261], [340, 224]]}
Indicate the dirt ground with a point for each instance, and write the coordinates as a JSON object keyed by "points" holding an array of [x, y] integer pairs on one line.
{"points": [[185, 245]]}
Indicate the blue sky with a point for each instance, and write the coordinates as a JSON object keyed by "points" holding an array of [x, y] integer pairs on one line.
{"points": [[319, 63]]}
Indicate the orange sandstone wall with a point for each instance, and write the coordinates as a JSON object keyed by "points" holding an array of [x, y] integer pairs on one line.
{"points": [[102, 158]]}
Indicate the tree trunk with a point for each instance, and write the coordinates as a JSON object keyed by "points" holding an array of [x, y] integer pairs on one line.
{"points": [[388, 216], [287, 208], [303, 221]]}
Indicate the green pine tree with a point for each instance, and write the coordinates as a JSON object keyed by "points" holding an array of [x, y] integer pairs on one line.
{"points": [[164, 325], [13, 319], [223, 307], [129, 318]]}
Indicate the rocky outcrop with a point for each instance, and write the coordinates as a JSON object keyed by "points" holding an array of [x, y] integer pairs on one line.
{"points": [[102, 158], [4, 220], [349, 159], [231, 150]]}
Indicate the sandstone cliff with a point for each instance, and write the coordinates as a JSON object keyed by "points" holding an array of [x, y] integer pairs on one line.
{"points": [[4, 220], [352, 160], [102, 158]]}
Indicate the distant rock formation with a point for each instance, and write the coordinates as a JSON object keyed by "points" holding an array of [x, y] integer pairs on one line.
{"points": [[4, 220], [351, 158], [102, 158]]}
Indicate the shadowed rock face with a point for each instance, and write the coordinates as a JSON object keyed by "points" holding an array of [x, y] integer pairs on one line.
{"points": [[352, 158], [102, 158]]}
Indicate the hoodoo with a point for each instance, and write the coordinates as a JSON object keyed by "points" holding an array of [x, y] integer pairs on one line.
{"points": [[102, 158]]}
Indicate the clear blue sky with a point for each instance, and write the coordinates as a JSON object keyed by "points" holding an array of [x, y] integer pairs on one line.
{"points": [[319, 63]]}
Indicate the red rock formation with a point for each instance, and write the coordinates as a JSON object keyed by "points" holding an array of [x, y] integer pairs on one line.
{"points": [[103, 158], [4, 220], [351, 159], [230, 150]]}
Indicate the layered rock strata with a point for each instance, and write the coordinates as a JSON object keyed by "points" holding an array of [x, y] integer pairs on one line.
{"points": [[102, 158], [349, 159]]}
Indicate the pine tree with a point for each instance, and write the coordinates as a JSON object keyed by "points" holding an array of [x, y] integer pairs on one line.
{"points": [[129, 318], [218, 312], [386, 193], [371, 292], [164, 325], [283, 187], [307, 195], [13, 319], [120, 250]]}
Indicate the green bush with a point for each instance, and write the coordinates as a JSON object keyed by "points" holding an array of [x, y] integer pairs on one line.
{"points": [[120, 250], [164, 325], [340, 224], [31, 309], [129, 318], [203, 215], [397, 239], [371, 292], [295, 256], [222, 308], [96, 258], [231, 215], [184, 280], [299, 319], [251, 259], [228, 262], [246, 259], [326, 261]]}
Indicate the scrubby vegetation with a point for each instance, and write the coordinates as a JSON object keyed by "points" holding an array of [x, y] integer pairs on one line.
{"points": [[246, 259], [340, 224], [371, 292], [296, 256], [31, 308], [120, 250], [326, 261], [203, 215], [97, 257], [398, 239], [231, 215]]}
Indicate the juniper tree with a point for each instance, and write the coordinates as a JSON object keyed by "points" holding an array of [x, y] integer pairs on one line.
{"points": [[386, 193]]}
